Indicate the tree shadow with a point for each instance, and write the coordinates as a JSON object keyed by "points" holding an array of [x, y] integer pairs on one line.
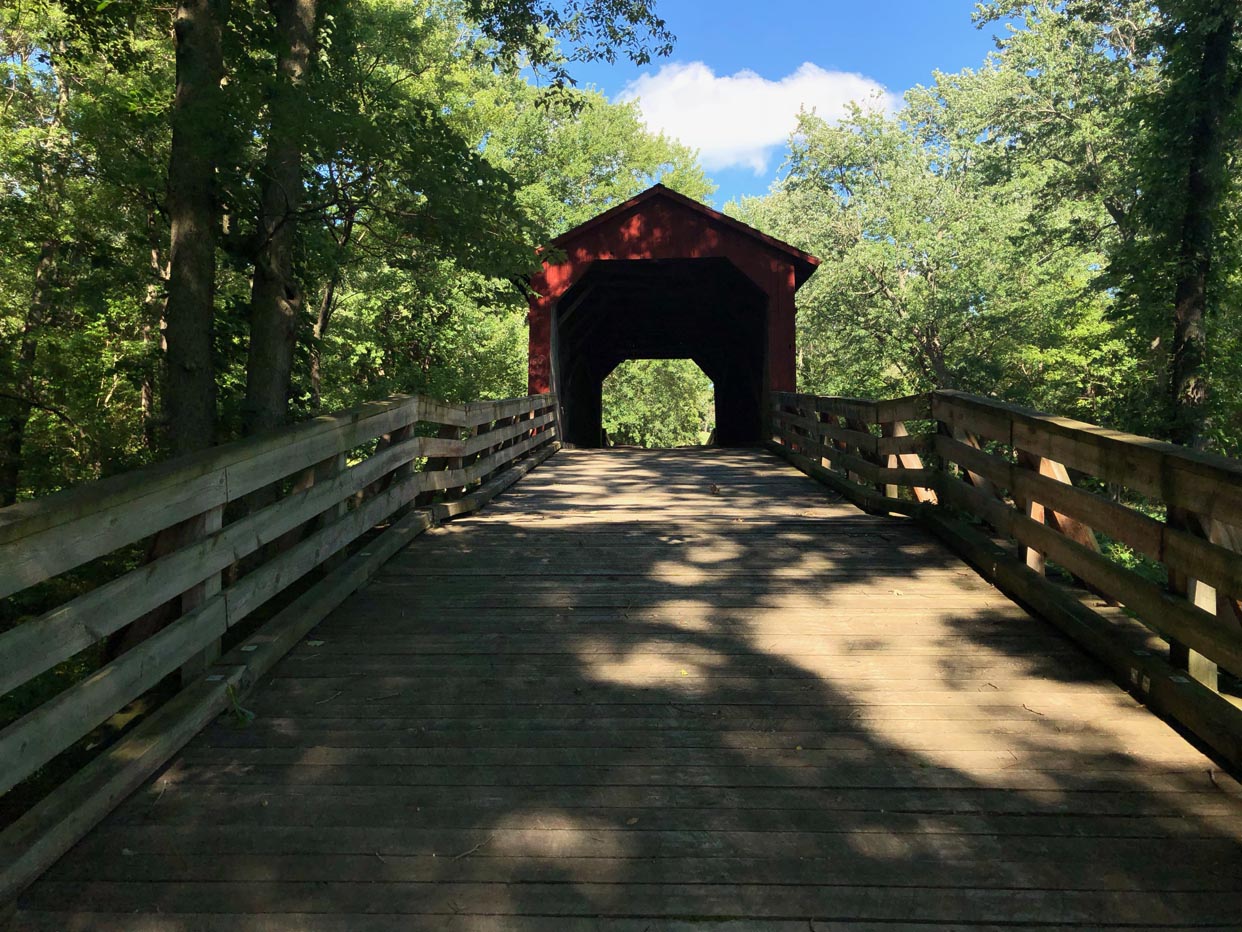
{"points": [[618, 699]]}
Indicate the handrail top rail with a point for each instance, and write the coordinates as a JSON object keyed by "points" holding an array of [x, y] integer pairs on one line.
{"points": [[909, 407], [41, 514], [1214, 464]]}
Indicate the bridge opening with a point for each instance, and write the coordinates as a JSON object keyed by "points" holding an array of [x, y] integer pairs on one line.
{"points": [[658, 404], [704, 310]]}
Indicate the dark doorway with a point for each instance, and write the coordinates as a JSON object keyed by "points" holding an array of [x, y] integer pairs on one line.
{"points": [[700, 309]]}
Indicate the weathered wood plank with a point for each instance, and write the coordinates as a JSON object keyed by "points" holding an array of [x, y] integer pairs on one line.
{"points": [[446, 898], [41, 539]]}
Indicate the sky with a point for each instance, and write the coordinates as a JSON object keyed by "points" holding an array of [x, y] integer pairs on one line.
{"points": [[742, 69]]}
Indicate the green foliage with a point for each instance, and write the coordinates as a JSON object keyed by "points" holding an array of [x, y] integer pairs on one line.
{"points": [[658, 403], [574, 154], [81, 141], [922, 286], [432, 168], [595, 30], [1013, 230]]}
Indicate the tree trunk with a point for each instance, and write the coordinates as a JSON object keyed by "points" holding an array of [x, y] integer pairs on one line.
{"points": [[152, 329], [327, 305], [21, 400], [321, 327], [1215, 94], [198, 121], [276, 297]]}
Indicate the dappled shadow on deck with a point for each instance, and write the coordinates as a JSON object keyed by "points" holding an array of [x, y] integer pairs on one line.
{"points": [[671, 691]]}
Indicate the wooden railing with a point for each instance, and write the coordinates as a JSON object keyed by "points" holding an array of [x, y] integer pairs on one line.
{"points": [[865, 448], [1142, 531], [226, 533]]}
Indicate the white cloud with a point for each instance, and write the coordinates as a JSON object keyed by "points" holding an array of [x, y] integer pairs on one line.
{"points": [[743, 119]]}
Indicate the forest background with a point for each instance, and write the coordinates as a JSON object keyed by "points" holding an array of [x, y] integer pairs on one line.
{"points": [[217, 217]]}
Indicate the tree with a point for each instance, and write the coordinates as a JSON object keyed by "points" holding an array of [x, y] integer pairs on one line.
{"points": [[658, 403], [374, 169], [276, 295], [591, 30], [35, 159], [921, 286], [573, 154], [82, 142], [1138, 104], [199, 119], [597, 29], [1186, 181], [425, 300]]}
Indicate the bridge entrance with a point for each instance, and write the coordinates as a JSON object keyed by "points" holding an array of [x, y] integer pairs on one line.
{"points": [[663, 277]]}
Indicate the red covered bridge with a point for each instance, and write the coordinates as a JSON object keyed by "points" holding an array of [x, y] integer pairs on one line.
{"points": [[663, 277]]}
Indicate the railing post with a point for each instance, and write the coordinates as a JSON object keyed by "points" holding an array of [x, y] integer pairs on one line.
{"points": [[326, 471], [1033, 558], [892, 460], [863, 428], [1197, 592], [209, 522]]}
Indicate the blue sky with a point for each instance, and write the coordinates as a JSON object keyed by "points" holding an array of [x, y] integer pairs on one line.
{"points": [[740, 70]]}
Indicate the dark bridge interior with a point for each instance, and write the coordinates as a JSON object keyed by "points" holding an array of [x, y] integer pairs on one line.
{"points": [[700, 309]]}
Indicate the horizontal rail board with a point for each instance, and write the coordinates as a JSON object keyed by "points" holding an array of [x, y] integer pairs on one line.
{"points": [[1199, 482], [867, 443], [866, 469], [912, 408], [990, 467], [918, 444], [501, 435], [41, 539], [36, 645], [31, 558], [27, 518], [1181, 551]]}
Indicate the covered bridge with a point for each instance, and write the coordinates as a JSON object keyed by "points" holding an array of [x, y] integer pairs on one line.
{"points": [[663, 277]]}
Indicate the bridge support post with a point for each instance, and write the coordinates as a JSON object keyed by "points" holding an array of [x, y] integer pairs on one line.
{"points": [[209, 522], [326, 471], [1033, 558], [1198, 593]]}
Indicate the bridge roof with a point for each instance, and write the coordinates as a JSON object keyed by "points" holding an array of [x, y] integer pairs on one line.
{"points": [[804, 263]]}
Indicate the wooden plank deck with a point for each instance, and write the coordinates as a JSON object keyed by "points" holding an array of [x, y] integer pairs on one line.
{"points": [[671, 691]]}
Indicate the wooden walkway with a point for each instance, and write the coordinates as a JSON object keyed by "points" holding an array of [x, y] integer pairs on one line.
{"points": [[670, 691]]}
